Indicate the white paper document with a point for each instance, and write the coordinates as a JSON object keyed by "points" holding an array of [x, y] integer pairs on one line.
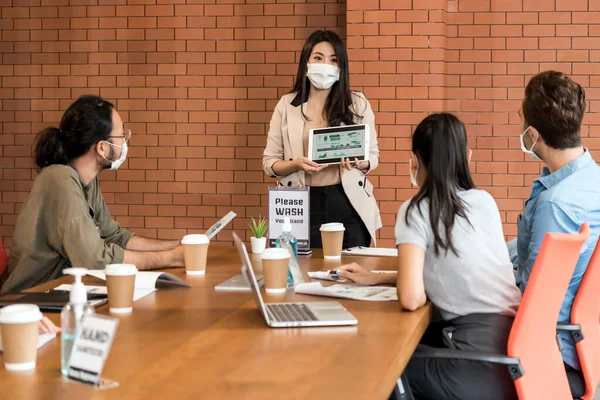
{"points": [[43, 338], [137, 293], [147, 279], [371, 251], [367, 293]]}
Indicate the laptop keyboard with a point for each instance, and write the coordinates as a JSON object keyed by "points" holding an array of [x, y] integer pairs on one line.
{"points": [[291, 312]]}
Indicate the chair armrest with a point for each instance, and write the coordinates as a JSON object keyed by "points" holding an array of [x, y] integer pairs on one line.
{"points": [[574, 330], [514, 365]]}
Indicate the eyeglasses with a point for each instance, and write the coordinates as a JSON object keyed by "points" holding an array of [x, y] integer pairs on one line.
{"points": [[126, 135]]}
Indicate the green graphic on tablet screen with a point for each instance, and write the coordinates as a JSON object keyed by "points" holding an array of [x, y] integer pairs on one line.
{"points": [[337, 145]]}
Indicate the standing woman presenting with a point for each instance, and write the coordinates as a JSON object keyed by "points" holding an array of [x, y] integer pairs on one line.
{"points": [[322, 98]]}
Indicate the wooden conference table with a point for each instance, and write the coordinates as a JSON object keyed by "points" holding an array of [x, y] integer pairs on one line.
{"points": [[205, 344]]}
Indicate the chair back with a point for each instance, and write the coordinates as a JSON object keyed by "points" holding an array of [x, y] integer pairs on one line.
{"points": [[586, 313], [533, 335]]}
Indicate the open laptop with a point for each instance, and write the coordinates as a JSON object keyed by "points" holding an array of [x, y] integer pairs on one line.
{"points": [[285, 315]]}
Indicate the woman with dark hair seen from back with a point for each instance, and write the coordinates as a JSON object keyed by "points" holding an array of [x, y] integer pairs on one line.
{"points": [[65, 222], [451, 251], [321, 97]]}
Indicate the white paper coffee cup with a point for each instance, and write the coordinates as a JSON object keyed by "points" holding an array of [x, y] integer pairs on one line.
{"points": [[332, 237], [19, 324], [275, 264], [195, 253], [120, 284]]}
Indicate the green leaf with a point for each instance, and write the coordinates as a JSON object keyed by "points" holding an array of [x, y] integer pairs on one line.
{"points": [[259, 228]]}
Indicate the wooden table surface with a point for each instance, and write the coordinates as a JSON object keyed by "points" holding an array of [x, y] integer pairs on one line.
{"points": [[200, 343]]}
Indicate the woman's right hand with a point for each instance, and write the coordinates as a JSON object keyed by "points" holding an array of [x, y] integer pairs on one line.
{"points": [[358, 274], [306, 165]]}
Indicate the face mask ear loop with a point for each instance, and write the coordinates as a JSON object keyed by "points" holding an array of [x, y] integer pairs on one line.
{"points": [[413, 177]]}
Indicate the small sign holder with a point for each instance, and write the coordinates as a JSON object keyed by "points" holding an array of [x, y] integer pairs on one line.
{"points": [[90, 350], [292, 202]]}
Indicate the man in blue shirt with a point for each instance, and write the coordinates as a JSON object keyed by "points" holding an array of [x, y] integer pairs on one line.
{"points": [[567, 194]]}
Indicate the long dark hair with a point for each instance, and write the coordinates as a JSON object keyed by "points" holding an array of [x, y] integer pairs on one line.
{"points": [[86, 122], [337, 107], [440, 142]]}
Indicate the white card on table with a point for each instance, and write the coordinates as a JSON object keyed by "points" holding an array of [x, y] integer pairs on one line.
{"points": [[91, 347]]}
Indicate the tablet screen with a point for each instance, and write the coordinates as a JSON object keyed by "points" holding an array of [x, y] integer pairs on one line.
{"points": [[329, 145]]}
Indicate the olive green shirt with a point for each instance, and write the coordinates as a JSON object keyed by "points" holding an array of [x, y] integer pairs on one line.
{"points": [[63, 223]]}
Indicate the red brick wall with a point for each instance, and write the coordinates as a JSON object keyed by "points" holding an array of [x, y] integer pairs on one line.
{"points": [[494, 48], [472, 58], [397, 54], [198, 82]]}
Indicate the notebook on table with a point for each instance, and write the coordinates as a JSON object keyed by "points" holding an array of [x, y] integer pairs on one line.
{"points": [[51, 301], [371, 251]]}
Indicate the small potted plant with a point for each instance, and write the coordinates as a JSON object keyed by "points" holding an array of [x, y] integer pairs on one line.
{"points": [[259, 230]]}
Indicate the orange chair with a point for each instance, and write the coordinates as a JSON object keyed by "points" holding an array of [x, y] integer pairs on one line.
{"points": [[534, 360], [3, 263], [584, 325]]}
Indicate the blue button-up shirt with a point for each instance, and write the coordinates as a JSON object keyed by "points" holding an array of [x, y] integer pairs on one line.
{"points": [[561, 202]]}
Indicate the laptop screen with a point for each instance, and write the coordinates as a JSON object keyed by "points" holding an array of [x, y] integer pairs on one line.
{"points": [[248, 274]]}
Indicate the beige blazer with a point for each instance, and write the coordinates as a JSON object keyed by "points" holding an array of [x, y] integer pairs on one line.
{"points": [[284, 142]]}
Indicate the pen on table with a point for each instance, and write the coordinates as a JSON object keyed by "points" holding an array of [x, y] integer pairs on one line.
{"points": [[334, 274]]}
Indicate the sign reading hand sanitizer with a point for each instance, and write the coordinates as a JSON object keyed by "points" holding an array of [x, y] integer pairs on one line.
{"points": [[91, 347], [293, 202]]}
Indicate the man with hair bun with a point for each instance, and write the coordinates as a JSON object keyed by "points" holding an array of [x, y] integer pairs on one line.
{"points": [[65, 222]]}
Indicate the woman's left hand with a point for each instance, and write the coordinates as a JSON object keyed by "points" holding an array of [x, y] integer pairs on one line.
{"points": [[362, 165]]}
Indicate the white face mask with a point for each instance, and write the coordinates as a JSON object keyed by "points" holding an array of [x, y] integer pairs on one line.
{"points": [[117, 163], [323, 76], [528, 151], [413, 176]]}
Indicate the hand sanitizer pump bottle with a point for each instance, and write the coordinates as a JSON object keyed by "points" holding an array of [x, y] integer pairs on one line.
{"points": [[287, 240], [72, 314]]}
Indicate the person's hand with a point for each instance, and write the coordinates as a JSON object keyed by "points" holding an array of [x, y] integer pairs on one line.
{"points": [[177, 257], [47, 326], [310, 167], [347, 164], [357, 274], [362, 165]]}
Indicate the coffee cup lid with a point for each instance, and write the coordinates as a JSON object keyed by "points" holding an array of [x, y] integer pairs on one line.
{"points": [[275, 253], [20, 314], [120, 270], [333, 227], [195, 239]]}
